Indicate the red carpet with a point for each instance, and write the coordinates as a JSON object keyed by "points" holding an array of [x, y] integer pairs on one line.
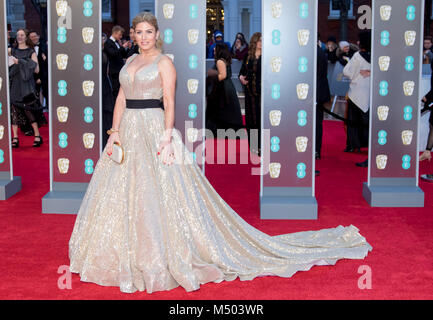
{"points": [[33, 245]]}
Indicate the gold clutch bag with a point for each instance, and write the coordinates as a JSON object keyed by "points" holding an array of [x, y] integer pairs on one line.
{"points": [[118, 154]]}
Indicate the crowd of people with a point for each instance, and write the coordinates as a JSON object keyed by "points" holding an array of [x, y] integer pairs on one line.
{"points": [[355, 58], [28, 63], [223, 109]]}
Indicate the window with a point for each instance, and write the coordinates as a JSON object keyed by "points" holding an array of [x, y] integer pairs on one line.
{"points": [[334, 10], [147, 5], [9, 12], [106, 9]]}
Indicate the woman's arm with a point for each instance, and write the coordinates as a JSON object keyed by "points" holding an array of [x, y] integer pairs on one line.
{"points": [[168, 78], [119, 108], [243, 73], [35, 59], [222, 70], [117, 116]]}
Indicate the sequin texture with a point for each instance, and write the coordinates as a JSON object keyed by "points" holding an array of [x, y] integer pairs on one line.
{"points": [[146, 226]]}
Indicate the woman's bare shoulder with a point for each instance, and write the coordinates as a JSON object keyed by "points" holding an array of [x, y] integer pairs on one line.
{"points": [[131, 57], [165, 63], [165, 60]]}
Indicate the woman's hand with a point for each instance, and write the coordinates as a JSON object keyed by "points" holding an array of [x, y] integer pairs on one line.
{"points": [[15, 60], [243, 80], [114, 137], [365, 73], [426, 155], [166, 152]]}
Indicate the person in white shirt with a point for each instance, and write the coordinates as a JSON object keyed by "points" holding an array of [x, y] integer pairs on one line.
{"points": [[358, 71]]}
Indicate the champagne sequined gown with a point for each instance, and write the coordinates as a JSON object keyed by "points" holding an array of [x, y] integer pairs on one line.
{"points": [[146, 226]]}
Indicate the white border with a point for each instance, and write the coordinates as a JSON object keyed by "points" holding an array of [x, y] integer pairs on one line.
{"points": [[6, 84], [373, 18], [100, 133], [50, 93], [421, 46], [262, 102], [313, 138], [204, 97]]}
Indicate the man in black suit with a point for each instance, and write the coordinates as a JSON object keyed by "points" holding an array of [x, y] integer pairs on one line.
{"points": [[116, 53]]}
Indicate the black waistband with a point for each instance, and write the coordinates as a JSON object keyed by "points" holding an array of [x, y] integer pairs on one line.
{"points": [[144, 104]]}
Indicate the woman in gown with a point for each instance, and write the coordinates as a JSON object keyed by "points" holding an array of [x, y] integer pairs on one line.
{"points": [[250, 76], [155, 223], [223, 110]]}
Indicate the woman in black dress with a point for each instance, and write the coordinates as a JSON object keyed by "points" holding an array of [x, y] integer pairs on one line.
{"points": [[24, 98], [223, 109], [107, 96], [250, 76]]}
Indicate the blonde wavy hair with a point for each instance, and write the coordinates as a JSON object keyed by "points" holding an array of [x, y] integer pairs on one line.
{"points": [[150, 19]]}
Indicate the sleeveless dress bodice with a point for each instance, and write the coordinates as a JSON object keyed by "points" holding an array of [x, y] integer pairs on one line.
{"points": [[146, 83]]}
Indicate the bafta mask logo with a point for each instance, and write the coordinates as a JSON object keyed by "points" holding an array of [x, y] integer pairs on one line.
{"points": [[62, 114], [301, 144], [408, 88], [88, 34], [62, 61], [2, 132], [61, 8], [275, 117], [1, 83], [63, 165], [382, 113], [406, 137], [168, 10], [192, 134], [385, 13], [410, 37], [384, 62], [193, 36], [274, 170], [381, 161], [302, 91], [88, 140], [88, 88], [171, 56], [277, 9], [276, 63], [192, 86], [303, 37]]}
